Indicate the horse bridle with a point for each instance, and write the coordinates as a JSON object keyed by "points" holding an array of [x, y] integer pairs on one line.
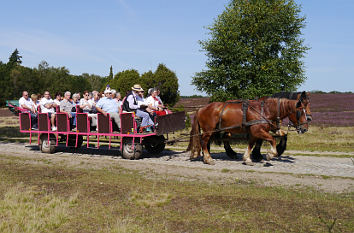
{"points": [[298, 125]]}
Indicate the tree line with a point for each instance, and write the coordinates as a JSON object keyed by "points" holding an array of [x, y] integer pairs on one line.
{"points": [[15, 78]]}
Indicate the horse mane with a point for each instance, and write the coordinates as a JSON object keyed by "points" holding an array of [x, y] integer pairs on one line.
{"points": [[287, 95]]}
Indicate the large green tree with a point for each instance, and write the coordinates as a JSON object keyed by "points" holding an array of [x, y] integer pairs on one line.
{"points": [[167, 81], [255, 49]]}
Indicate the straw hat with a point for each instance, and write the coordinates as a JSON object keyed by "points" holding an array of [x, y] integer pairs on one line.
{"points": [[137, 87]]}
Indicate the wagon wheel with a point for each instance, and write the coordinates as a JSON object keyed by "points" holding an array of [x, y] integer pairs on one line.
{"points": [[129, 152], [155, 144], [47, 146]]}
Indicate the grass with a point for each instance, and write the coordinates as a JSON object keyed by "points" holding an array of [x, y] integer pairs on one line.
{"points": [[56, 197]]}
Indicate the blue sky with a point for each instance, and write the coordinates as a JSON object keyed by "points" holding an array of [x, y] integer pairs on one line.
{"points": [[90, 36]]}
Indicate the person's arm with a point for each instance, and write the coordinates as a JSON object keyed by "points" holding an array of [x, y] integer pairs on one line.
{"points": [[23, 104], [101, 110]]}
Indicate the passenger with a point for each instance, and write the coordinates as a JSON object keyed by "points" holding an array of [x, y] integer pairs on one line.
{"points": [[27, 104], [109, 105], [66, 105], [93, 112], [94, 100], [131, 105], [85, 103], [155, 104], [114, 92], [158, 97], [76, 99], [57, 99], [35, 101], [119, 100], [47, 106]]}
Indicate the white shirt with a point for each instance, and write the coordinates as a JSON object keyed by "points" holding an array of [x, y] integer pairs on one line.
{"points": [[152, 101], [45, 101], [83, 102], [57, 102], [27, 102]]}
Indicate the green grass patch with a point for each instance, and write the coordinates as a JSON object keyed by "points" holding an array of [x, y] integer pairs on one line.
{"points": [[47, 197]]}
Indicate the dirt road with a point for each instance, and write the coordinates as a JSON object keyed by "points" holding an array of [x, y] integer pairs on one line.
{"points": [[324, 173]]}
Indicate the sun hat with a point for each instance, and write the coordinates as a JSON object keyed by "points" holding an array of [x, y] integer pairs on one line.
{"points": [[137, 87]]}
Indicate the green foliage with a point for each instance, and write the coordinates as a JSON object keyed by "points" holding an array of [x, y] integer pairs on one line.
{"points": [[15, 78], [123, 81], [255, 49], [96, 82], [167, 81], [15, 59], [162, 78]]}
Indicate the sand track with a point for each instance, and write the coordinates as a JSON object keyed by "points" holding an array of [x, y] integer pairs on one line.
{"points": [[329, 174]]}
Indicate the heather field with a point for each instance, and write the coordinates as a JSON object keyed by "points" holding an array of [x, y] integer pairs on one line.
{"points": [[327, 109], [332, 109]]}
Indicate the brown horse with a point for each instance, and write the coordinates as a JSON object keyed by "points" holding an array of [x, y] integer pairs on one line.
{"points": [[281, 146], [254, 118]]}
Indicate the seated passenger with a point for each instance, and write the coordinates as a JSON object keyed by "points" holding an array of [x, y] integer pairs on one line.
{"points": [[85, 103], [57, 99], [108, 105], [94, 100], [155, 104], [27, 104], [66, 105], [47, 106], [76, 99], [35, 101], [132, 104]]}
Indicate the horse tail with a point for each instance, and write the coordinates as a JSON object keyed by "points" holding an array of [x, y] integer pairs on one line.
{"points": [[194, 140]]}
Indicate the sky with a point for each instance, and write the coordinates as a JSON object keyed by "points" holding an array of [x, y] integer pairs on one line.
{"points": [[89, 36]]}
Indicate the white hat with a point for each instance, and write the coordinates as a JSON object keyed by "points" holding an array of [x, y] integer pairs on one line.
{"points": [[108, 90]]}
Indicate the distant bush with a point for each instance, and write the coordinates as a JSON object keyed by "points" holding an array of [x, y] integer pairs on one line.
{"points": [[193, 96]]}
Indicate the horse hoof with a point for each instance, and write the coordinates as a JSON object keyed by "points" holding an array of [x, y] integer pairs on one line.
{"points": [[248, 163], [269, 157], [210, 162]]}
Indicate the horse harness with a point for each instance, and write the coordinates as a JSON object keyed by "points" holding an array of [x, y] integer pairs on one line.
{"points": [[245, 106]]}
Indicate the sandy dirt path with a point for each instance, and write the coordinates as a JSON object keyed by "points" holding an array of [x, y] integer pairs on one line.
{"points": [[329, 174]]}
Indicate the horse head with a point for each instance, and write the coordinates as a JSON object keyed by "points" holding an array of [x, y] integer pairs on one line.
{"points": [[305, 99], [299, 117]]}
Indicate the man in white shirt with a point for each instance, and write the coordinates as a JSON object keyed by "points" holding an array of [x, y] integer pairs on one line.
{"points": [[47, 106], [132, 104], [27, 104]]}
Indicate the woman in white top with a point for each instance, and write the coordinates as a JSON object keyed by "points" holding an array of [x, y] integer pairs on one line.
{"points": [[57, 99], [155, 104], [86, 103]]}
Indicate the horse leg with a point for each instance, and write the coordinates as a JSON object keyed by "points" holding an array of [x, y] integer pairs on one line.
{"points": [[273, 149], [265, 135], [246, 156], [206, 155], [256, 152]]}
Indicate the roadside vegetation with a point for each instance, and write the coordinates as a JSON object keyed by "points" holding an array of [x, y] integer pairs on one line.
{"points": [[38, 195]]}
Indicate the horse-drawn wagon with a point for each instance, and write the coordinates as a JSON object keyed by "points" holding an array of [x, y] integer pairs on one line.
{"points": [[130, 139]]}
